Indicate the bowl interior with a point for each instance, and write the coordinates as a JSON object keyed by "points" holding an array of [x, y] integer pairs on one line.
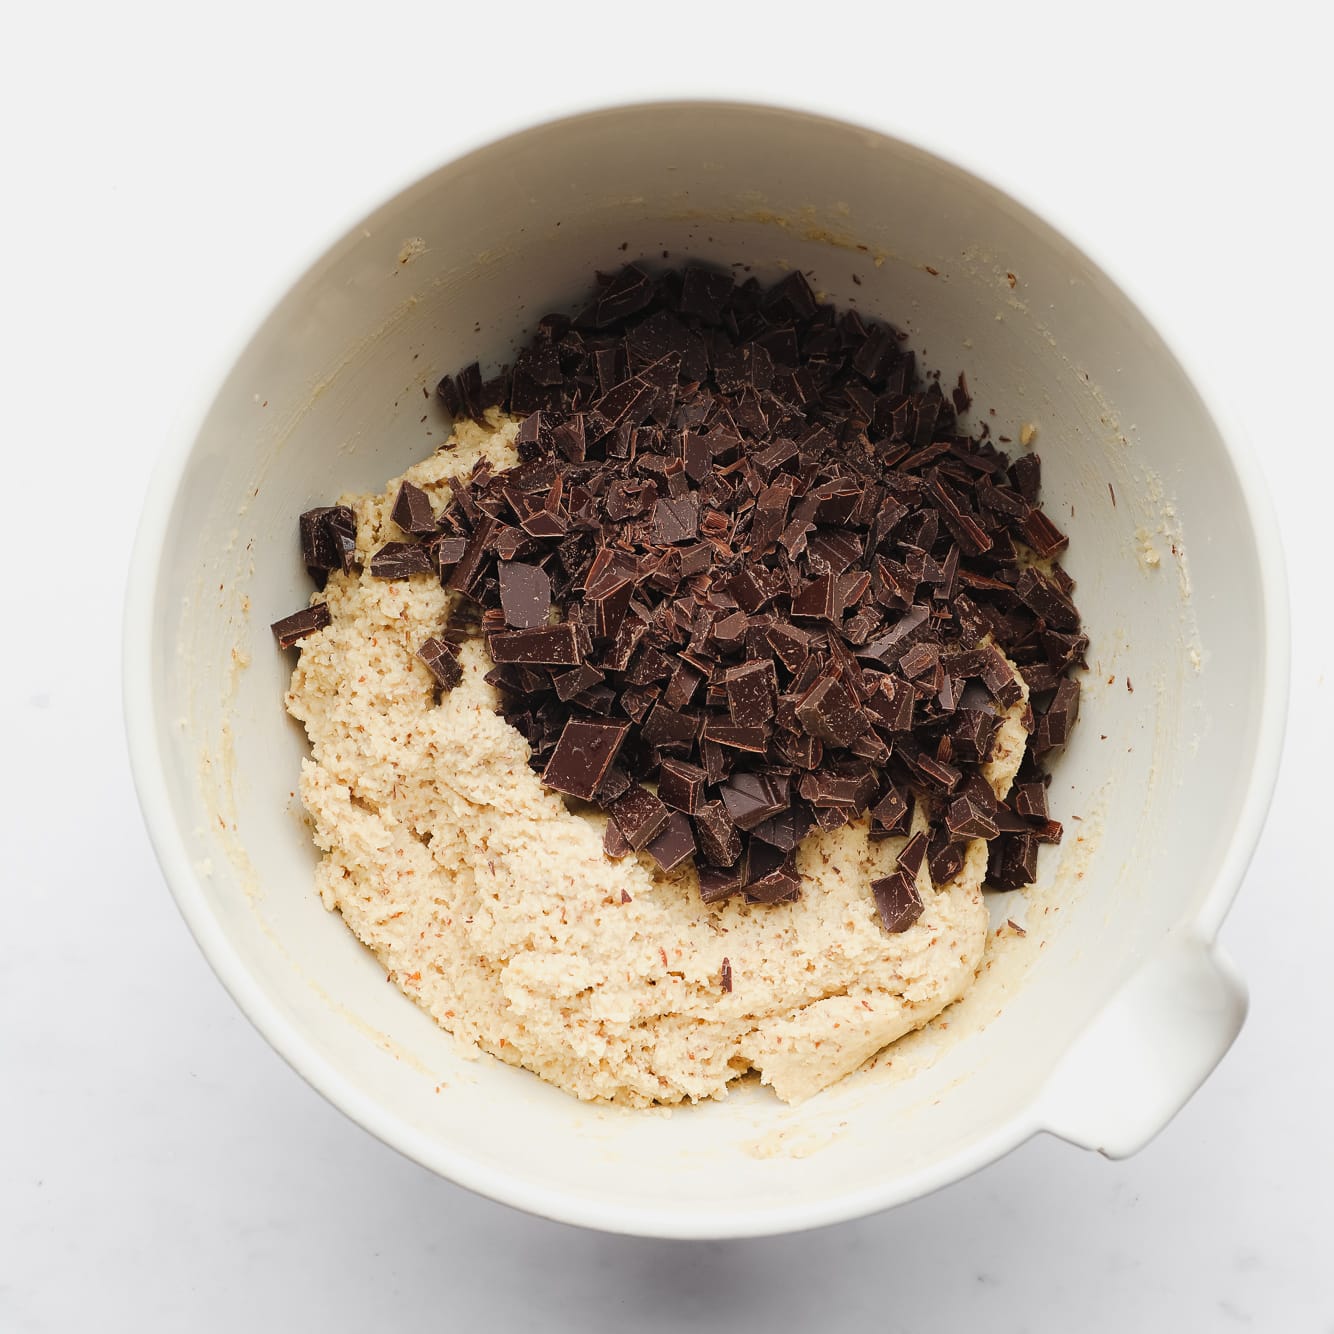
{"points": [[334, 393]]}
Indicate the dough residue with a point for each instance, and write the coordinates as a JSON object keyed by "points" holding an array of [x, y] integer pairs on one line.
{"points": [[493, 906]]}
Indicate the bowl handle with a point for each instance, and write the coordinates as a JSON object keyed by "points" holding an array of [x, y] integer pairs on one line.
{"points": [[1144, 1055]]}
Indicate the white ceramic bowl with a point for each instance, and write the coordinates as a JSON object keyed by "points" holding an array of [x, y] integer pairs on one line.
{"points": [[1114, 1008]]}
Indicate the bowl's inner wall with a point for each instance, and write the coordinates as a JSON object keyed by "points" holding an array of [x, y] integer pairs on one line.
{"points": [[334, 394]]}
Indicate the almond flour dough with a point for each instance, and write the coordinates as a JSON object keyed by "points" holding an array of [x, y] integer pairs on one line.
{"points": [[493, 906]]}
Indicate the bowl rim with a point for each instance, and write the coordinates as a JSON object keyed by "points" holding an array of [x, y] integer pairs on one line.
{"points": [[182, 879]]}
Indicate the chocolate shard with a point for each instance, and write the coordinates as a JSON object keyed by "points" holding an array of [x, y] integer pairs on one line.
{"points": [[400, 560], [318, 548], [525, 595], [1045, 598], [675, 520], [1042, 535], [912, 855], [944, 858], [897, 901], [999, 678], [1030, 801], [750, 799], [630, 291], [613, 842], [583, 755], [771, 874], [891, 813], [719, 839], [340, 523], [639, 815], [412, 511], [720, 882], [1054, 726], [681, 785], [786, 829], [965, 817], [293, 629], [552, 645], [676, 842], [441, 659], [829, 712], [752, 693], [1012, 861], [704, 293]]}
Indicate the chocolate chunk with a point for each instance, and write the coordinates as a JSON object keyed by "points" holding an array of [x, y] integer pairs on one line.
{"points": [[771, 874], [1030, 800], [752, 692], [720, 882], [442, 661], [340, 524], [998, 677], [704, 293], [1042, 595], [400, 560], [613, 842], [891, 812], [829, 712], [576, 681], [725, 976], [750, 799], [525, 595], [944, 858], [912, 855], [583, 755], [681, 784], [674, 844], [447, 552], [719, 840], [1042, 535], [639, 815], [897, 901], [324, 538], [412, 511], [630, 291], [966, 817], [1012, 861], [1054, 726], [786, 829], [294, 628], [553, 645], [675, 520]]}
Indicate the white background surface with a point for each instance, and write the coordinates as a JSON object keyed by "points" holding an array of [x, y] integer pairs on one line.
{"points": [[164, 172]]}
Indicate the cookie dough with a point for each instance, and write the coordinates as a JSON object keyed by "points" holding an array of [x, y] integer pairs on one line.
{"points": [[493, 906]]}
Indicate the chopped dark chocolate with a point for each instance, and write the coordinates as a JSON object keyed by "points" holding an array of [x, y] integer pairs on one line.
{"points": [[583, 755], [412, 511], [294, 628], [719, 839], [676, 842], [897, 901], [441, 659], [400, 560], [639, 815], [525, 595], [748, 556], [681, 785], [553, 645]]}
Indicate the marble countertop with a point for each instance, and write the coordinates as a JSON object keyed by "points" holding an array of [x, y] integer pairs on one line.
{"points": [[160, 1168]]}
